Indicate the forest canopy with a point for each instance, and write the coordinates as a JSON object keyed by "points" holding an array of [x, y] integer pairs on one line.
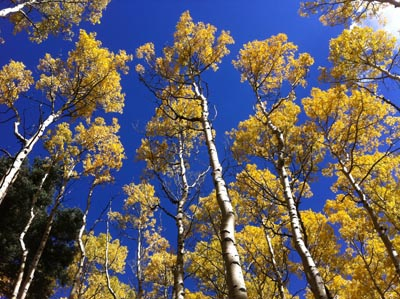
{"points": [[203, 162]]}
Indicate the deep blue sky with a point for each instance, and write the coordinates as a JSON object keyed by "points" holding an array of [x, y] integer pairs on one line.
{"points": [[127, 24]]}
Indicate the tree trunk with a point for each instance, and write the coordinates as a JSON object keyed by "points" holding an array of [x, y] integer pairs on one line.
{"points": [[234, 274], [313, 276], [13, 170], [32, 269], [9, 10], [25, 250], [394, 256], [278, 274], [179, 287], [76, 286]]}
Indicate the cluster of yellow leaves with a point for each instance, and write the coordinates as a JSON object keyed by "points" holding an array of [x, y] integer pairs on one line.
{"points": [[194, 50], [160, 273], [260, 275], [349, 121], [95, 285], [141, 198], [167, 139], [334, 12], [267, 64], [207, 266], [254, 138], [54, 17], [89, 78], [97, 146], [364, 259], [360, 55], [14, 79]]}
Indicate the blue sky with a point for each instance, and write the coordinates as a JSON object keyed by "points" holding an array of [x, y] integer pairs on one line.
{"points": [[127, 24]]}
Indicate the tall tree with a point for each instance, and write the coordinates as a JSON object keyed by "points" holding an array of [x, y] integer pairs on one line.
{"points": [[87, 80], [178, 74], [353, 128], [138, 218], [270, 66], [168, 150], [42, 17], [105, 261]]}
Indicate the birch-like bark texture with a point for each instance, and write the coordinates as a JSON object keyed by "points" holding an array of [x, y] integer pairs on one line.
{"points": [[179, 287], [234, 274], [13, 170], [106, 260], [311, 271]]}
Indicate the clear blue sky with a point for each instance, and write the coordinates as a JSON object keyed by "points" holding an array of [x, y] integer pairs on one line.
{"points": [[127, 24]]}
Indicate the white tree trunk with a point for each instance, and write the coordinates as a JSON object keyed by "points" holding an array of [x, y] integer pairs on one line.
{"points": [[313, 275], [76, 285], [277, 272], [234, 274], [25, 250], [13, 170], [32, 269], [6, 11], [179, 287]]}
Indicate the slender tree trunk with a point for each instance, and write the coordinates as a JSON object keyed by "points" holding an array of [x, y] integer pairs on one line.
{"points": [[33, 267], [25, 250], [179, 287], [13, 170], [234, 274], [393, 254], [77, 283], [139, 270], [313, 275], [106, 260], [278, 274]]}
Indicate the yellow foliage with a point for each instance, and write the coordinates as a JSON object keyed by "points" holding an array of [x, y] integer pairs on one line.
{"points": [[362, 55], [97, 147], [89, 79], [54, 17], [334, 12], [14, 79], [95, 284], [267, 64], [194, 50]]}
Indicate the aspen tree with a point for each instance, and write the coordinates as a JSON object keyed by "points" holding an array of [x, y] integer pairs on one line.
{"points": [[194, 51], [89, 79], [267, 66]]}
